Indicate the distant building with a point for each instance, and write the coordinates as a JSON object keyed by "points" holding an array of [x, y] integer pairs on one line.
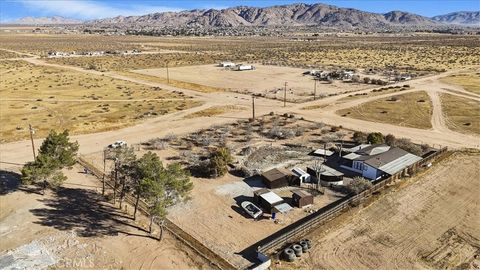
{"points": [[226, 64], [379, 160], [241, 67]]}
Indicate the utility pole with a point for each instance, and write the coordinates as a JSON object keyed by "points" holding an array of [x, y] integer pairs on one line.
{"points": [[285, 96], [168, 77], [314, 88], [32, 131], [253, 108]]}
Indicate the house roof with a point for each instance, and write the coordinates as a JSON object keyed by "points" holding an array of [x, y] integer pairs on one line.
{"points": [[355, 148], [328, 171], [374, 149], [301, 193], [323, 152], [299, 172], [392, 161], [271, 198], [275, 174], [400, 163]]}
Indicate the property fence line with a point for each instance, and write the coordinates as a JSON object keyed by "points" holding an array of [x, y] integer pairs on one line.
{"points": [[302, 227], [171, 227]]}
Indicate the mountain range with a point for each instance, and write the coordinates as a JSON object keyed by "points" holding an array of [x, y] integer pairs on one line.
{"points": [[461, 17], [291, 15], [280, 15]]}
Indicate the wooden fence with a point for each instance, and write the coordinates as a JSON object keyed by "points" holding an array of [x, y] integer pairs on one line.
{"points": [[215, 259], [302, 227]]}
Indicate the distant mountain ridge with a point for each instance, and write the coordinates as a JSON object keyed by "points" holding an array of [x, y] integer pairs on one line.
{"points": [[460, 17], [282, 15], [46, 20]]}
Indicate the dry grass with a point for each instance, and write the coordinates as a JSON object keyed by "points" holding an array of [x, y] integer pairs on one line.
{"points": [[56, 98], [215, 110], [175, 83], [462, 114], [421, 52], [6, 54], [407, 110], [469, 81]]}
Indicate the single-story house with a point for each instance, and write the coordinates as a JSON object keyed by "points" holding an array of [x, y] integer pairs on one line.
{"points": [[277, 177], [270, 202], [301, 198], [379, 160]]}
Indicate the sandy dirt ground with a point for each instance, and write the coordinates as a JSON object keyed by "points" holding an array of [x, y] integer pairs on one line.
{"points": [[73, 228], [431, 223], [214, 216], [268, 80]]}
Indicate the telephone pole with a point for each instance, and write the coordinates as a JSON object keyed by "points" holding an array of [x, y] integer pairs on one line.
{"points": [[253, 108], [314, 88], [168, 77], [32, 131], [285, 96]]}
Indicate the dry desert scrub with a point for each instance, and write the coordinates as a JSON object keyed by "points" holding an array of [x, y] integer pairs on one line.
{"points": [[410, 110], [56, 98], [469, 81], [462, 114]]}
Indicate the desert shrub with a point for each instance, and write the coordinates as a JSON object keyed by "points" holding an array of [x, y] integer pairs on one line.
{"points": [[390, 139], [359, 137], [280, 133], [358, 185], [219, 160], [375, 137], [409, 146]]}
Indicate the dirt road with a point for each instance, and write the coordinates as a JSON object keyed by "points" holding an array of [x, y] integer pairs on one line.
{"points": [[20, 152], [430, 224]]}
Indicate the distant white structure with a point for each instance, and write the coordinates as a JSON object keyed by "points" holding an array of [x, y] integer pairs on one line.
{"points": [[226, 64], [241, 67]]}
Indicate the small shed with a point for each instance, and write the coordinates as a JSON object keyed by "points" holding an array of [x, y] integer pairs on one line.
{"points": [[277, 177], [301, 198], [267, 200], [301, 175]]}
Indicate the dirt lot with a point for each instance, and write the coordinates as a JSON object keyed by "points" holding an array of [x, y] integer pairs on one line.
{"points": [[49, 97], [215, 218], [73, 228], [461, 114], [432, 223], [267, 80], [469, 81], [410, 110]]}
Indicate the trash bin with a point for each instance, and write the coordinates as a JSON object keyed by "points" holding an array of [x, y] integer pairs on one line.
{"points": [[274, 215]]}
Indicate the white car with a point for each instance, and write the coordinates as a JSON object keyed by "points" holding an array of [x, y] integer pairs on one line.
{"points": [[118, 144]]}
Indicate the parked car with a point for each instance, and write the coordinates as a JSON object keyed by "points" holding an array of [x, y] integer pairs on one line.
{"points": [[118, 144]]}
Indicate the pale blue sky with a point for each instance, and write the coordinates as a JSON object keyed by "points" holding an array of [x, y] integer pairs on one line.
{"points": [[91, 9]]}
